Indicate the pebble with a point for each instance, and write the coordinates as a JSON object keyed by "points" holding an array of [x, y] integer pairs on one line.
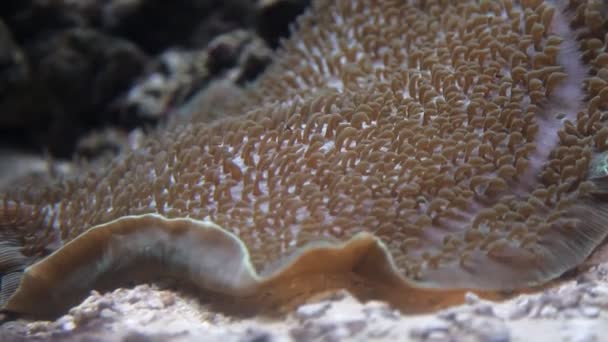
{"points": [[434, 328], [85, 313], [380, 309], [355, 326], [599, 291], [548, 311], [590, 311], [154, 303], [107, 314], [33, 328], [471, 298], [437, 336], [66, 323], [571, 300], [314, 310], [167, 298], [254, 335], [490, 330], [522, 309], [484, 309], [105, 302]]}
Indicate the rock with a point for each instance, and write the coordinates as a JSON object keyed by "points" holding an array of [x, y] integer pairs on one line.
{"points": [[14, 69], [96, 143], [84, 69], [169, 80], [275, 16], [490, 330], [88, 67], [72, 79], [314, 310], [68, 67], [254, 59], [192, 23], [590, 311], [432, 330], [83, 72], [238, 49], [194, 84], [14, 84]]}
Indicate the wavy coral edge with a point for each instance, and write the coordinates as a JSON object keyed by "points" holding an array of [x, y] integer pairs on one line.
{"points": [[145, 247], [207, 257]]}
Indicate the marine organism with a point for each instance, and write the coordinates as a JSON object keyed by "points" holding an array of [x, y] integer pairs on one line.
{"points": [[431, 145]]}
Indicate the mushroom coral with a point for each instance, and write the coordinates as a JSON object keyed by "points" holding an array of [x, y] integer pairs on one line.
{"points": [[433, 145]]}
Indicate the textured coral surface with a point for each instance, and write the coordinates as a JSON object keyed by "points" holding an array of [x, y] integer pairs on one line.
{"points": [[449, 144]]}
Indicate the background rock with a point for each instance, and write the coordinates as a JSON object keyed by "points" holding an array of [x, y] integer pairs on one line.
{"points": [[71, 68]]}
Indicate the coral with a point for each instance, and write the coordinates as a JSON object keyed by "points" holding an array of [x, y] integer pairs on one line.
{"points": [[415, 145]]}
